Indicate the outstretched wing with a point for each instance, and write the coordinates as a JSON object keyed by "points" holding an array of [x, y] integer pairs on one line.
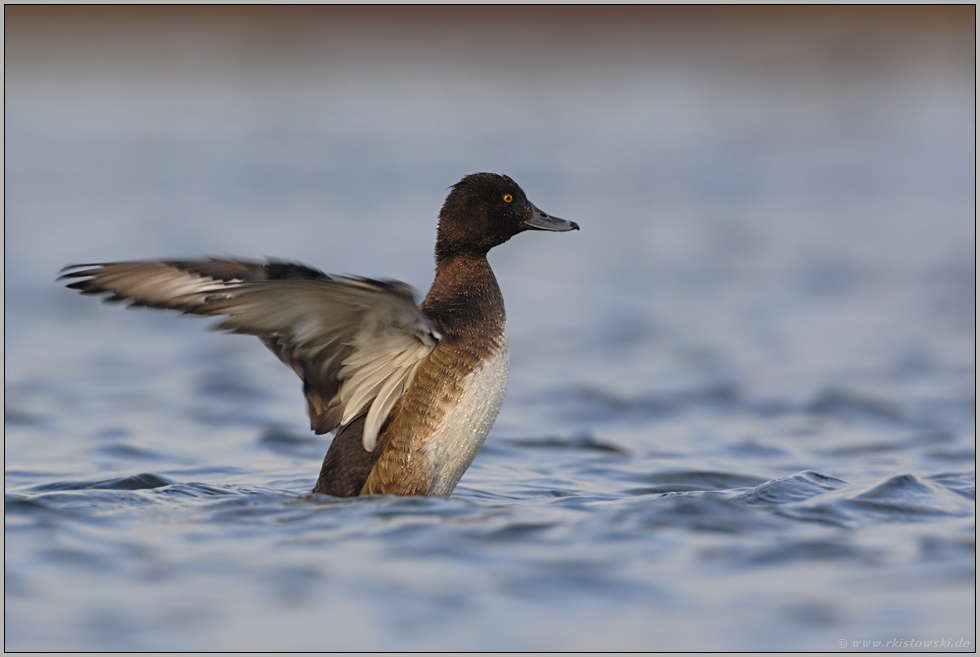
{"points": [[355, 342]]}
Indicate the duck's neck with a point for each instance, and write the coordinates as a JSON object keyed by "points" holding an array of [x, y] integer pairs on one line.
{"points": [[465, 294]]}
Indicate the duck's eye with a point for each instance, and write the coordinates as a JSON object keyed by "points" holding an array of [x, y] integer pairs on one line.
{"points": [[508, 198]]}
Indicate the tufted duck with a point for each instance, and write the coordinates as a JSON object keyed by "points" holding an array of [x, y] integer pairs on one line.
{"points": [[413, 389]]}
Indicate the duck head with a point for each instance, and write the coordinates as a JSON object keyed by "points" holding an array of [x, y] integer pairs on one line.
{"points": [[487, 209]]}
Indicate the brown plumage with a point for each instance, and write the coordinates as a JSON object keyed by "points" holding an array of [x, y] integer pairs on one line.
{"points": [[411, 390]]}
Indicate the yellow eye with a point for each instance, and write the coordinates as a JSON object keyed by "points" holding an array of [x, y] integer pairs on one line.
{"points": [[508, 198]]}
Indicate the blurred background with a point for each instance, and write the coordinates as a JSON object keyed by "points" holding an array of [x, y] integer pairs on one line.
{"points": [[769, 158], [775, 273]]}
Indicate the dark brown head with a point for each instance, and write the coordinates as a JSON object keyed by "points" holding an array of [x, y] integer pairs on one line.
{"points": [[484, 210]]}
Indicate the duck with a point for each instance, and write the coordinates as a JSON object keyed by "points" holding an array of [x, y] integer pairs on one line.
{"points": [[411, 390]]}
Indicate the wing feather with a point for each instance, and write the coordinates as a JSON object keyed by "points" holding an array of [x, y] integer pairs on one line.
{"points": [[355, 342]]}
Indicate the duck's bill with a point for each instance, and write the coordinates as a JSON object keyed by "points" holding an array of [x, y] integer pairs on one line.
{"points": [[541, 221]]}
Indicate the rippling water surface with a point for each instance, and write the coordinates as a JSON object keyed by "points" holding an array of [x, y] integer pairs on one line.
{"points": [[741, 412]]}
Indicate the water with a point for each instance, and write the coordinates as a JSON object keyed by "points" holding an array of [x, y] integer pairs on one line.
{"points": [[741, 413]]}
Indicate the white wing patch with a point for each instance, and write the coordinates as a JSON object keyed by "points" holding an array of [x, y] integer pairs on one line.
{"points": [[379, 370], [356, 343]]}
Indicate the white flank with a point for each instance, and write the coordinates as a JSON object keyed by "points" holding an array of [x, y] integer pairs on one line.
{"points": [[460, 435]]}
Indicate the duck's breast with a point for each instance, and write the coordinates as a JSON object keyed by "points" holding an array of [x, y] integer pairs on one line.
{"points": [[455, 440]]}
